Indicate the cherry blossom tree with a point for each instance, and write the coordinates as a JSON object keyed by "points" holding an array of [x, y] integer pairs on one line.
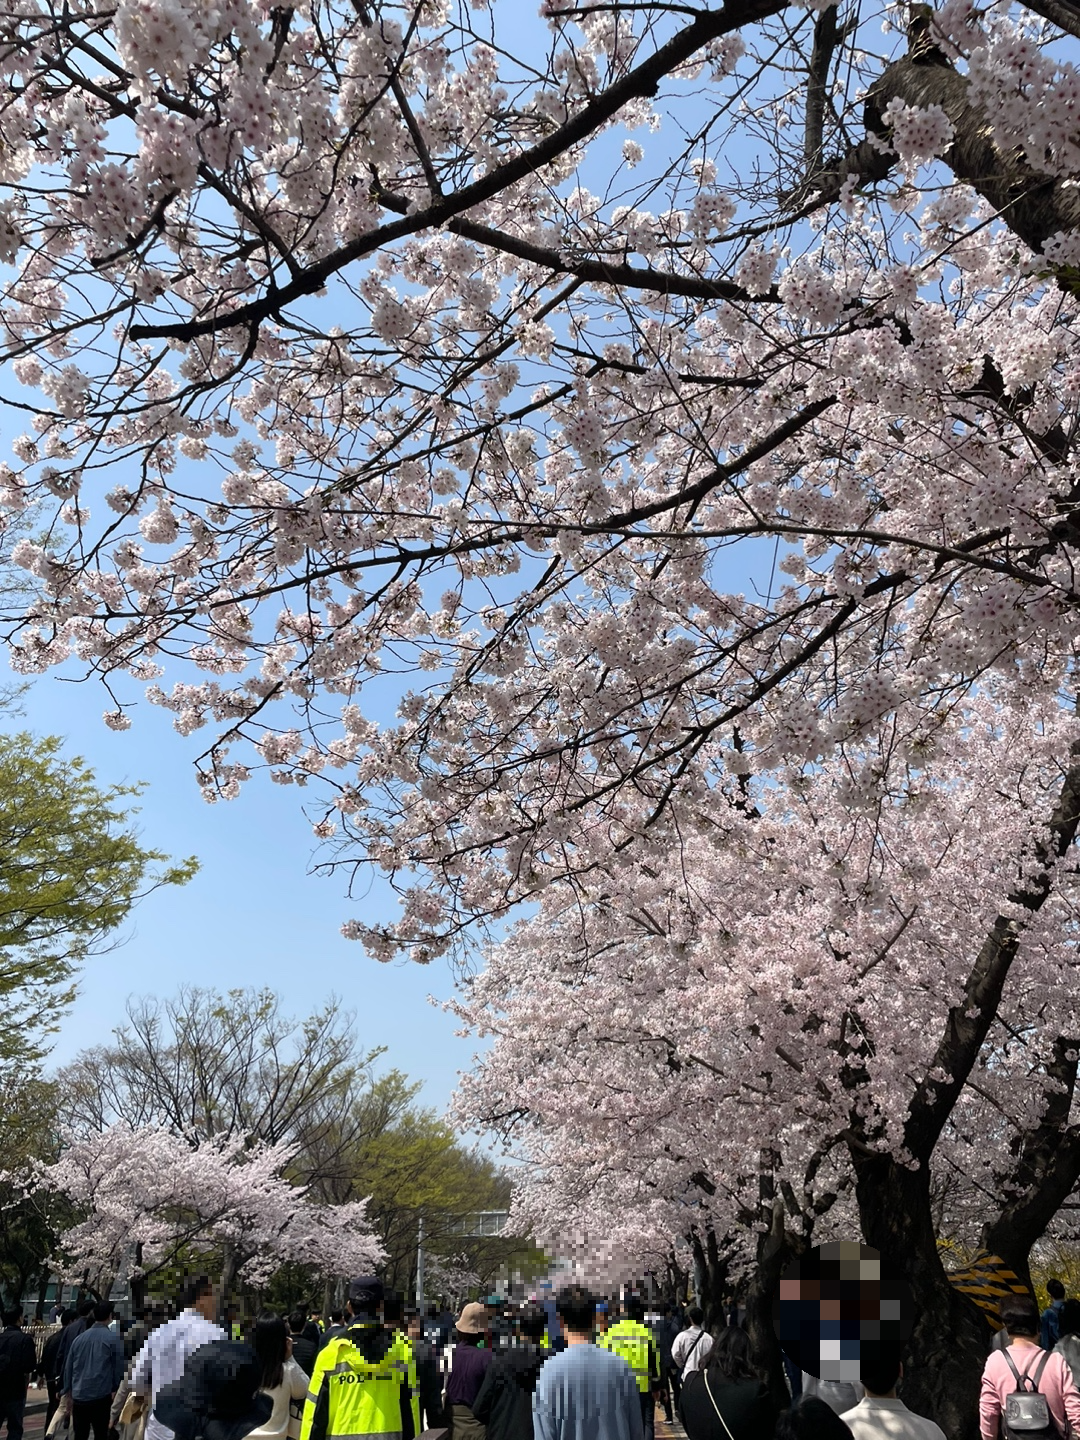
{"points": [[149, 1197], [754, 1035], [348, 342]]}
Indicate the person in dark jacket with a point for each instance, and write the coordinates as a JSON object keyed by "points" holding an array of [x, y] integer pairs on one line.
{"points": [[50, 1366], [18, 1361], [218, 1397], [428, 1383], [84, 1318], [304, 1349], [811, 1419], [725, 1399], [504, 1401]]}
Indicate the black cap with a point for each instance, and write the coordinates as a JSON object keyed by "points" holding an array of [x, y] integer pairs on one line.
{"points": [[365, 1294]]}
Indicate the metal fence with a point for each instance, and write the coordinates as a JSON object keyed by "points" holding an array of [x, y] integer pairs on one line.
{"points": [[39, 1333]]}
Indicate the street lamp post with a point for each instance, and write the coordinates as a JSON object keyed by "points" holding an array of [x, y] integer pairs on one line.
{"points": [[420, 1266]]}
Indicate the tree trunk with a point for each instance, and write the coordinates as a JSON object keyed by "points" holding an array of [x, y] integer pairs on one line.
{"points": [[43, 1285], [710, 1276], [776, 1249], [138, 1281], [950, 1341]]}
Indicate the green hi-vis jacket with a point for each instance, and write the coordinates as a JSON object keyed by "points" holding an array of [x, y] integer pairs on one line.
{"points": [[351, 1398], [635, 1344]]}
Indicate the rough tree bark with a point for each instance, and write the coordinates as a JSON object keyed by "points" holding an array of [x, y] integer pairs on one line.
{"points": [[948, 1345]]}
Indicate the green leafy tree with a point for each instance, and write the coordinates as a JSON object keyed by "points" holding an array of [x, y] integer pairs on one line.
{"points": [[71, 868]]}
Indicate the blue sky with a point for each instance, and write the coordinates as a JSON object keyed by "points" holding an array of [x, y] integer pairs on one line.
{"points": [[252, 916]]}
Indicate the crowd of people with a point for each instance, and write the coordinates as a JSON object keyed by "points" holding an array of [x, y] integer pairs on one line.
{"points": [[581, 1368]]}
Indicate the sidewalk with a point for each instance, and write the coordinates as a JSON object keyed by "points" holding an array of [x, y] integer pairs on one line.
{"points": [[664, 1431]]}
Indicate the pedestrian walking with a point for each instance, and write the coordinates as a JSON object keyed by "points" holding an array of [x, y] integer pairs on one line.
{"points": [[725, 1398], [18, 1361], [364, 1382], [504, 1403], [1048, 1320], [466, 1366], [880, 1414], [585, 1392], [1069, 1337], [304, 1348], [50, 1367], [630, 1338], [690, 1346], [428, 1383], [217, 1396], [280, 1377], [1025, 1366], [162, 1359], [92, 1374]]}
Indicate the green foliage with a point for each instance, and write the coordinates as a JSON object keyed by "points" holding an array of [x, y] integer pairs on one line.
{"points": [[71, 868], [29, 1226]]}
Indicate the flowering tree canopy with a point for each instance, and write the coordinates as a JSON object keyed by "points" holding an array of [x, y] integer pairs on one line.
{"points": [[356, 338], [150, 1197]]}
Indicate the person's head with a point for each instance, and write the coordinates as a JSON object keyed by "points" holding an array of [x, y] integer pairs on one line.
{"points": [[576, 1309], [694, 1315], [472, 1324], [633, 1308], [393, 1309], [13, 1316], [811, 1419], [66, 1317], [1020, 1316], [271, 1343], [416, 1326], [881, 1375], [86, 1309], [200, 1295], [296, 1322], [1055, 1289], [103, 1312], [366, 1298], [729, 1358], [1069, 1318], [532, 1323]]}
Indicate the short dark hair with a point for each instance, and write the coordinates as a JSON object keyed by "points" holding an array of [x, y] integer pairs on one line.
{"points": [[337, 1316], [297, 1321], [1020, 1315], [86, 1308], [66, 1317], [811, 1419], [694, 1315], [14, 1315], [1055, 1289], [103, 1310], [393, 1306], [633, 1307], [532, 1322], [576, 1308], [194, 1288], [880, 1370]]}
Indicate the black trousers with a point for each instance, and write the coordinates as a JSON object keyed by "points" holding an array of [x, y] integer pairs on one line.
{"points": [[91, 1414], [648, 1414], [12, 1409]]}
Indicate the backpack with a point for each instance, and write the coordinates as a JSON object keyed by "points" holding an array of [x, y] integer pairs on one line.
{"points": [[1027, 1414]]}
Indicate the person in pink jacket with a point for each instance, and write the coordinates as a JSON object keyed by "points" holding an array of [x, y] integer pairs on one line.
{"points": [[1020, 1317]]}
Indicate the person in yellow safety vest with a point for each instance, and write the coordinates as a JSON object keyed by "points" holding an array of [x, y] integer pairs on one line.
{"points": [[363, 1385], [631, 1339]]}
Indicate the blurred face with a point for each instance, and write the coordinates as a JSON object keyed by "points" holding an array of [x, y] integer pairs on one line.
{"points": [[416, 1327]]}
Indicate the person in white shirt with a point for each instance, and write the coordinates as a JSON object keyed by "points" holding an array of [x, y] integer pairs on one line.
{"points": [[282, 1379], [691, 1346], [879, 1415], [161, 1360]]}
